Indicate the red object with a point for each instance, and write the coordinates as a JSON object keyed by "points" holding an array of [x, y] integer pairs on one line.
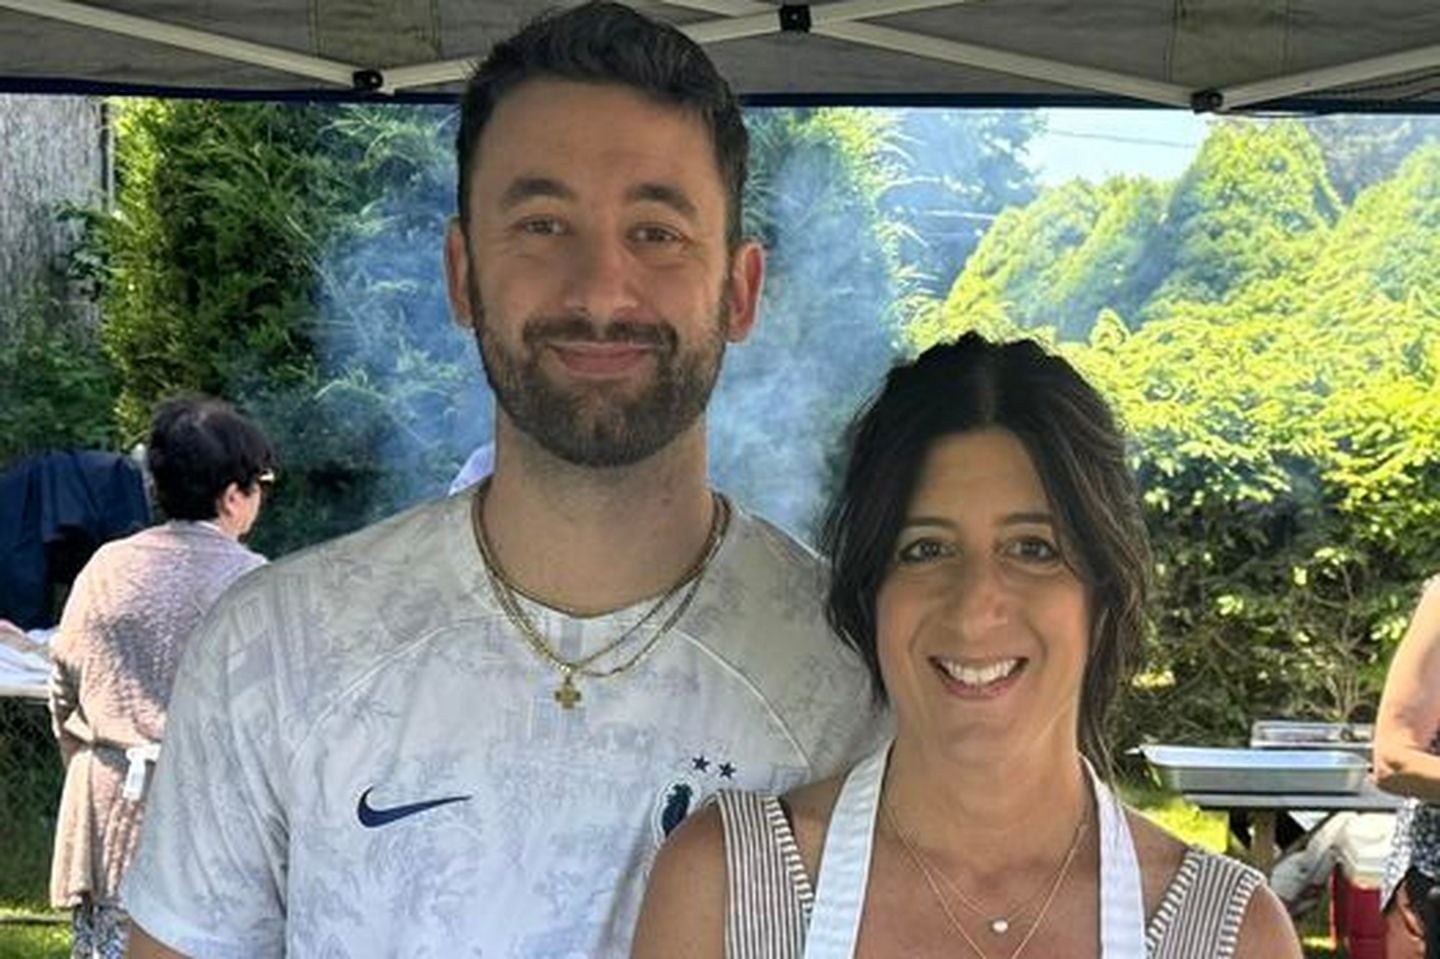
{"points": [[1355, 919]]}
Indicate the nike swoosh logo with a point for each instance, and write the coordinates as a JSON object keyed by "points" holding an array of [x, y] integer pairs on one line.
{"points": [[370, 817]]}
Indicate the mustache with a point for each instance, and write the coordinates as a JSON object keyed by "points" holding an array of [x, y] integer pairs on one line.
{"points": [[578, 329]]}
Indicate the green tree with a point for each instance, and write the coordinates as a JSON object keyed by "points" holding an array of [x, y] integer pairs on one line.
{"points": [[961, 169], [269, 254], [1078, 249], [1255, 205], [1362, 150], [56, 388]]}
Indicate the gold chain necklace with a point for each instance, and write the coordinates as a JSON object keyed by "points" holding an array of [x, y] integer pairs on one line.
{"points": [[566, 694], [999, 924], [929, 872]]}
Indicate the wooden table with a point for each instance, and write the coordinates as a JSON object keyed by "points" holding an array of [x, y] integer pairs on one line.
{"points": [[1263, 811]]}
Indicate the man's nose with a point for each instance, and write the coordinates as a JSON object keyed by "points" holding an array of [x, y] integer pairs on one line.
{"points": [[601, 281]]}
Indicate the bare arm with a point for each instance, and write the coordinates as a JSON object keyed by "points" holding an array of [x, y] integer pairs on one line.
{"points": [[1410, 708], [143, 947], [684, 909], [1266, 932]]}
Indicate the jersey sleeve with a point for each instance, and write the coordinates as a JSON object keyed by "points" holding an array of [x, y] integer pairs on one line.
{"points": [[209, 877]]}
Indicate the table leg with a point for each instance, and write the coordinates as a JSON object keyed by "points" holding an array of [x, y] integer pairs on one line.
{"points": [[1263, 849]]}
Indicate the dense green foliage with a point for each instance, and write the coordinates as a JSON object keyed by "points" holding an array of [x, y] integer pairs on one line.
{"points": [[960, 169], [1275, 357], [256, 253], [56, 389]]}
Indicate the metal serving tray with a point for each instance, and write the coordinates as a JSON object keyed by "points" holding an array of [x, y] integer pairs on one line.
{"points": [[1201, 769], [1294, 734]]}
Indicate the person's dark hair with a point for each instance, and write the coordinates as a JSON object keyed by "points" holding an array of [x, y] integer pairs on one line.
{"points": [[1079, 454], [198, 447], [608, 43]]}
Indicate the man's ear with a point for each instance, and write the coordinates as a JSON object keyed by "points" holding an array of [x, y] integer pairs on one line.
{"points": [[457, 276], [745, 282]]}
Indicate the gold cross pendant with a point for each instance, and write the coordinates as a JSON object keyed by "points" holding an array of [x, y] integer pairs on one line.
{"points": [[567, 695]]}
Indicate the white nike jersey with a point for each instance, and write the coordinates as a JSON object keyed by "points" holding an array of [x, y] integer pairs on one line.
{"points": [[364, 758]]}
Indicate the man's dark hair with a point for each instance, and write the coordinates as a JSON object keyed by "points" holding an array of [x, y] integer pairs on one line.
{"points": [[198, 447], [608, 43], [1078, 453]]}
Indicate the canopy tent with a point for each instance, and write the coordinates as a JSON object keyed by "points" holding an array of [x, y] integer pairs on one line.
{"points": [[1202, 54]]}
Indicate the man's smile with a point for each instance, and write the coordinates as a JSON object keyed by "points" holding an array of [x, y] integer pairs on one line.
{"points": [[601, 360]]}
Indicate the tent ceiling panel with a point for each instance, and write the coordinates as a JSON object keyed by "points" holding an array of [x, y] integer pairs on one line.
{"points": [[32, 48], [1172, 49]]}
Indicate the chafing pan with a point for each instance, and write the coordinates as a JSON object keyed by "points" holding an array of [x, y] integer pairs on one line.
{"points": [[1203, 769], [1293, 734]]}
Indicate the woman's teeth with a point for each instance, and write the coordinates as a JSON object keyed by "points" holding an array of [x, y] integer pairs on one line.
{"points": [[978, 675]]}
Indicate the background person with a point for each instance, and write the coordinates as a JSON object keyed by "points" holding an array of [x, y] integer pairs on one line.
{"points": [[989, 564], [467, 729], [126, 623], [1407, 738]]}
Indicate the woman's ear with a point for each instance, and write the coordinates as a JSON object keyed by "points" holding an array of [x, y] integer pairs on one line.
{"points": [[229, 502]]}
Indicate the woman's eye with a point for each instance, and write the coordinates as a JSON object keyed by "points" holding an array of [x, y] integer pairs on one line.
{"points": [[1033, 549], [922, 550]]}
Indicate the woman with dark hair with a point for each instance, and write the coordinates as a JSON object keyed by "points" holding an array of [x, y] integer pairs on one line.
{"points": [[125, 625], [989, 565]]}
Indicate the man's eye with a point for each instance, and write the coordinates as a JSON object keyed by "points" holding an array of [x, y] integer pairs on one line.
{"points": [[922, 550], [655, 235], [541, 226]]}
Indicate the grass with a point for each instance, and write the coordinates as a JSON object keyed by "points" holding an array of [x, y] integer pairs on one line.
{"points": [[30, 780], [34, 941]]}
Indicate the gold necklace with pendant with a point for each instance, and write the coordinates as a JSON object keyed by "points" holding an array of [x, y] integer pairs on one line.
{"points": [[567, 694]]}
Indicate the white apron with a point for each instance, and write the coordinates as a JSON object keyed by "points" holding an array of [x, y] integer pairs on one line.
{"points": [[845, 870]]}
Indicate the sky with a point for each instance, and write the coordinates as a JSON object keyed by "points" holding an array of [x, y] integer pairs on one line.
{"points": [[1096, 144]]}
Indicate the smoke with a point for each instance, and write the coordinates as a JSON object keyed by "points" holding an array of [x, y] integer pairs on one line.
{"points": [[409, 383]]}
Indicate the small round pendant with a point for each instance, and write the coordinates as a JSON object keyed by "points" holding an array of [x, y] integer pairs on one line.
{"points": [[1000, 926]]}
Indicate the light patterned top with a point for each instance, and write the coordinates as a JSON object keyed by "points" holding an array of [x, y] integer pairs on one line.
{"points": [[769, 894], [366, 759]]}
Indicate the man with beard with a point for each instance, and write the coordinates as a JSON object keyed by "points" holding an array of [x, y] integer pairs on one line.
{"points": [[467, 729]]}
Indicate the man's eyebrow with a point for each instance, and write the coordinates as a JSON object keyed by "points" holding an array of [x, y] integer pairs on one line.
{"points": [[524, 188], [663, 193]]}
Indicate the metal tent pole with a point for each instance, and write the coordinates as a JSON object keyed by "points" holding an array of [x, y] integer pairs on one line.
{"points": [[1015, 64], [1328, 78], [737, 22], [837, 21]]}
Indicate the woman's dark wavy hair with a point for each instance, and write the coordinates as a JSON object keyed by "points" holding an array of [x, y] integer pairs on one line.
{"points": [[199, 446], [1079, 454], [608, 43]]}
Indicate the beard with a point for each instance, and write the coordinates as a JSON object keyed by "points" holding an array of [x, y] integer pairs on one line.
{"points": [[602, 424]]}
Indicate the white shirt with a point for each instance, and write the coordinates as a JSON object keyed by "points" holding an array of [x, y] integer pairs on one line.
{"points": [[380, 666]]}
